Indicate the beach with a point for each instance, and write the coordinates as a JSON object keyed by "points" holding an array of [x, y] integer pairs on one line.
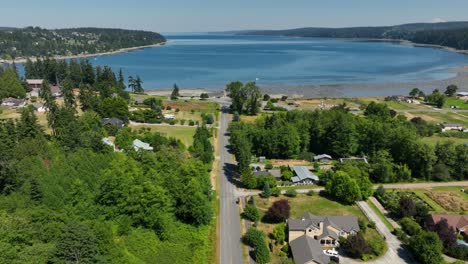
{"points": [[23, 60]]}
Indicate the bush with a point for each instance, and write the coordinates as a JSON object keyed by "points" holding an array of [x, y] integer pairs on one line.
{"points": [[410, 226], [177, 110], [371, 224], [311, 193], [172, 122], [279, 233], [426, 247], [356, 246], [168, 107], [401, 235], [275, 192], [284, 98], [251, 213], [191, 123], [182, 121], [266, 97], [377, 245], [279, 211], [256, 239], [458, 252], [268, 165], [204, 96], [287, 175], [291, 193]]}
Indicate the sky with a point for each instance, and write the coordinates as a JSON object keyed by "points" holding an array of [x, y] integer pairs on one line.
{"points": [[221, 15]]}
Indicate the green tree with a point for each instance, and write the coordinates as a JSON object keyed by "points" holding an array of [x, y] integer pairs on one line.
{"points": [[251, 212], [343, 187], [451, 90], [248, 179], [341, 136], [436, 98], [266, 193], [415, 92], [410, 226], [279, 233], [114, 107], [382, 167], [427, 247], [77, 244], [175, 92], [10, 85]]}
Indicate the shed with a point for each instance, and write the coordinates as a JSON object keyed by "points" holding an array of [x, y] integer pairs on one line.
{"points": [[304, 176]]}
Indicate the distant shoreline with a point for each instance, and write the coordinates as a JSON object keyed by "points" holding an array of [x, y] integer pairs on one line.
{"points": [[407, 42], [80, 56]]}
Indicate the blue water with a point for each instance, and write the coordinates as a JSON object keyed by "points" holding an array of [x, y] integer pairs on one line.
{"points": [[211, 61]]}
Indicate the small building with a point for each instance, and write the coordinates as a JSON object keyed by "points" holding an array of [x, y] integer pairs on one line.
{"points": [[275, 173], [14, 102], [462, 94], [34, 92], [112, 122], [262, 159], [34, 83], [451, 127], [363, 159], [303, 176], [323, 158], [56, 91], [138, 145], [39, 107], [310, 234], [169, 116]]}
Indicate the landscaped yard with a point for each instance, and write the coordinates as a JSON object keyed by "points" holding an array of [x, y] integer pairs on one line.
{"points": [[460, 104], [201, 106], [185, 134]]}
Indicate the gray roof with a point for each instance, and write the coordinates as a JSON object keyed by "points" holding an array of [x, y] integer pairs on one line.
{"points": [[363, 159], [303, 173], [322, 156], [138, 144], [306, 249], [452, 125], [274, 173], [345, 223], [112, 121]]}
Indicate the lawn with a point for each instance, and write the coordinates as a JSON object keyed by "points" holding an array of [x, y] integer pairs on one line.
{"points": [[437, 117], [460, 104], [202, 106], [185, 134], [315, 204], [436, 139]]}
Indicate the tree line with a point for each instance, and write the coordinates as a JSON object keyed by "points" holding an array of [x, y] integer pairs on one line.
{"points": [[40, 42]]}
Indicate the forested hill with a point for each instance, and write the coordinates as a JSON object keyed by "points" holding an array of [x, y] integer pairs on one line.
{"points": [[35, 41], [450, 34]]}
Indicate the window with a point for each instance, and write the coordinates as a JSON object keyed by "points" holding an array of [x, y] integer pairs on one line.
{"points": [[310, 230]]}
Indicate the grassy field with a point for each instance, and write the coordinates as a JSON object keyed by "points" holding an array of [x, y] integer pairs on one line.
{"points": [[436, 139], [200, 106], [461, 104], [435, 206], [185, 134], [440, 117]]}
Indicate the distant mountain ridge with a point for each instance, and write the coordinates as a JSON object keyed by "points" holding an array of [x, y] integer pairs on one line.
{"points": [[449, 34], [39, 42]]}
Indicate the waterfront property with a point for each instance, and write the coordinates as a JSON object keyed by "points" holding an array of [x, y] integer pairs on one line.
{"points": [[310, 234]]}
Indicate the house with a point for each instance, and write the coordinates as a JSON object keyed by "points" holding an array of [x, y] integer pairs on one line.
{"points": [[303, 176], [34, 92], [138, 144], [323, 158], [108, 142], [14, 102], [459, 223], [112, 122], [363, 159], [169, 116], [34, 83], [462, 94], [275, 173], [56, 91], [39, 107], [450, 127], [310, 234]]}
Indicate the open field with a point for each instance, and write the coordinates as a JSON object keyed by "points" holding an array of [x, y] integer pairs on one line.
{"points": [[459, 103], [449, 201], [436, 139], [187, 115], [201, 106], [396, 105], [440, 117], [184, 133]]}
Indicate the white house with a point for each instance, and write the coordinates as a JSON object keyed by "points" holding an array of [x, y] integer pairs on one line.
{"points": [[450, 127], [14, 102], [138, 144]]}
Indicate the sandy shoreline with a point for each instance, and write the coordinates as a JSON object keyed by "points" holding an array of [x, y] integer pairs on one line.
{"points": [[23, 60]]}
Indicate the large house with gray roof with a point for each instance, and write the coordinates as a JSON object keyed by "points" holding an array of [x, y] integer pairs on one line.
{"points": [[310, 234], [303, 176]]}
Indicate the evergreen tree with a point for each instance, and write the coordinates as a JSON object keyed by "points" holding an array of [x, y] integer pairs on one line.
{"points": [[175, 92], [266, 193]]}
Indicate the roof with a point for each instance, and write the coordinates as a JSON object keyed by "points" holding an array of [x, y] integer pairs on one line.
{"points": [[363, 159], [344, 223], [452, 125], [37, 105], [138, 144], [274, 173], [455, 221], [112, 121], [322, 156], [306, 249], [55, 89], [34, 81], [462, 93], [108, 142], [14, 101], [303, 173]]}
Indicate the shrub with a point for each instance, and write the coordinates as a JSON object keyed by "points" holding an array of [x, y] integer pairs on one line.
{"points": [[177, 110], [256, 239], [279, 233], [377, 245], [191, 123], [287, 175], [311, 193], [371, 224], [410, 226], [275, 192], [427, 247], [291, 193], [268, 165], [398, 232], [204, 96], [172, 122], [279, 211], [284, 98], [182, 121], [168, 107], [251, 213], [356, 246]]}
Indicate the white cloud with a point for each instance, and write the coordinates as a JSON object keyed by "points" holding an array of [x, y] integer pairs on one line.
{"points": [[438, 20]]}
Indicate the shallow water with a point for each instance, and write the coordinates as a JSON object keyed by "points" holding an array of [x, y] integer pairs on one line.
{"points": [[211, 61]]}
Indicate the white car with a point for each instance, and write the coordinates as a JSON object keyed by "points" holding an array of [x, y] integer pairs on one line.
{"points": [[331, 252]]}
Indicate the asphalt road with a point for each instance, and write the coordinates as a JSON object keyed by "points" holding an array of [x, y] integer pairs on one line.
{"points": [[230, 229]]}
